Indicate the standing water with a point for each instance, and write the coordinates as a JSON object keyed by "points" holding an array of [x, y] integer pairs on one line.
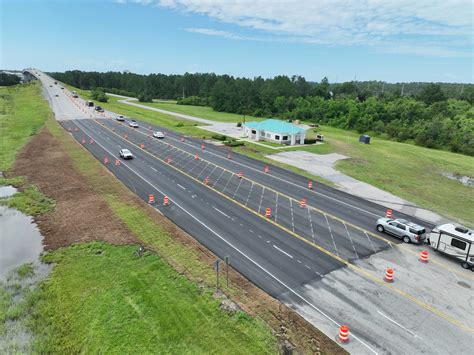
{"points": [[20, 239]]}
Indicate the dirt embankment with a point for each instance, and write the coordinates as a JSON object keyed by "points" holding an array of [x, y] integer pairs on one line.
{"points": [[82, 214]]}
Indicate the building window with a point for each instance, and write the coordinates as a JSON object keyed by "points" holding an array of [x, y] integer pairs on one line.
{"points": [[254, 131], [268, 135], [285, 138], [458, 244], [277, 137]]}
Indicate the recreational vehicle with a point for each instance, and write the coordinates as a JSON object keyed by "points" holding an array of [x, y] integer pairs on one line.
{"points": [[455, 241]]}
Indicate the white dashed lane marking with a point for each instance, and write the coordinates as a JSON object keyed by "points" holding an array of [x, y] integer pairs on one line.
{"points": [[282, 251]]}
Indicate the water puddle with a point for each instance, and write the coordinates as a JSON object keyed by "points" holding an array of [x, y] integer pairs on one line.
{"points": [[20, 272], [20, 238]]}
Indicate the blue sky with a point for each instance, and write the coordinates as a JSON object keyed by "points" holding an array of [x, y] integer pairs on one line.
{"points": [[391, 40]]}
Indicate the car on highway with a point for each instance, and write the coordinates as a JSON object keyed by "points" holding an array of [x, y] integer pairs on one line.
{"points": [[158, 135], [120, 118], [55, 82], [90, 103], [62, 87], [407, 231], [99, 109], [51, 86], [56, 95], [125, 154], [133, 124]]}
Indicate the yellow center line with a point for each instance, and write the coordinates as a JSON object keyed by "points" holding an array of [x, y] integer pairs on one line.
{"points": [[372, 234], [358, 269]]}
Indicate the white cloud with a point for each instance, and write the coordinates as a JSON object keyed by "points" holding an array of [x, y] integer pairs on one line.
{"points": [[441, 27]]}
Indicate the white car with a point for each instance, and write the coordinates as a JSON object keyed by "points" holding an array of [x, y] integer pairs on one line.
{"points": [[158, 135], [126, 154], [133, 124]]}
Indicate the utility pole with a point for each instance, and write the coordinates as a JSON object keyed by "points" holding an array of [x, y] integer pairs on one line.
{"points": [[403, 87], [217, 267], [183, 92], [227, 264]]}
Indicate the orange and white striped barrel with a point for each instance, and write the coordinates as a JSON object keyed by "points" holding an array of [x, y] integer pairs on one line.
{"points": [[151, 198], [106, 160], [117, 162], [268, 212], [310, 185], [303, 203], [240, 175], [142, 146], [388, 275], [202, 146], [91, 141], [389, 213], [266, 169], [206, 180], [166, 201], [424, 256], [343, 333], [83, 141], [196, 157]]}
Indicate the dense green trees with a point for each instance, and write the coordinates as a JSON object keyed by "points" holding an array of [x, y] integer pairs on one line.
{"points": [[431, 115], [9, 79], [99, 95]]}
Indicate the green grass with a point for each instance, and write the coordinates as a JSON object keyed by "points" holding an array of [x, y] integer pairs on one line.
{"points": [[30, 201], [202, 112], [22, 114], [105, 299]]}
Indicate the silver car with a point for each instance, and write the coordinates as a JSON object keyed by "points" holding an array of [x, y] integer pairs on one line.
{"points": [[407, 231]]}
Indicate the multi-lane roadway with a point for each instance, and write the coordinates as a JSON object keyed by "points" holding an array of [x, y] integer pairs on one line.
{"points": [[322, 257]]}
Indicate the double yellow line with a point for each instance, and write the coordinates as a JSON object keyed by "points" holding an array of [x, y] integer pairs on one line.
{"points": [[356, 268]]}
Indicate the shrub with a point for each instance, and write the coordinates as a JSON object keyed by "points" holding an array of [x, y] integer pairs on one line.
{"points": [[234, 143], [193, 100], [310, 140], [219, 137]]}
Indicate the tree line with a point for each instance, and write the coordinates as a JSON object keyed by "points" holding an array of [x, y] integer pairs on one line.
{"points": [[435, 115], [9, 79]]}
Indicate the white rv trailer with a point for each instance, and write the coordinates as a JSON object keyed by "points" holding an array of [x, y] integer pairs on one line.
{"points": [[455, 241]]}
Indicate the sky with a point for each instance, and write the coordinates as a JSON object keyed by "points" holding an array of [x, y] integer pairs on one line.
{"points": [[343, 40]]}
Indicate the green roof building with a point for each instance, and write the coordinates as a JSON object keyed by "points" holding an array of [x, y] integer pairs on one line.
{"points": [[275, 131]]}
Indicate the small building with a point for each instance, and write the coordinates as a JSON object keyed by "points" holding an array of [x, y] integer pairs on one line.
{"points": [[276, 131]]}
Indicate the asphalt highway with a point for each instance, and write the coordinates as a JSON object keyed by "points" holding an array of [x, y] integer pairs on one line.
{"points": [[324, 259]]}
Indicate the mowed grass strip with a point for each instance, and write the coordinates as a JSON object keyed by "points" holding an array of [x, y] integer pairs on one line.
{"points": [[202, 112], [22, 113], [105, 299]]}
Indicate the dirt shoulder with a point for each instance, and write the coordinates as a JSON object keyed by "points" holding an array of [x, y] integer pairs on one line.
{"points": [[83, 214]]}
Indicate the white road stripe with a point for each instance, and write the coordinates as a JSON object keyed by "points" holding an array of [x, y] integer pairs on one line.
{"points": [[398, 324], [284, 252], [152, 168], [218, 210], [181, 186]]}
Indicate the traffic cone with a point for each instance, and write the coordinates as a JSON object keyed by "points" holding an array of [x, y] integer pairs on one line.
{"points": [[268, 212], [202, 146], [266, 169], [196, 157], [166, 201], [310, 185], [389, 213], [142, 146], [388, 275], [117, 162], [83, 141], [151, 198], [343, 334], [303, 203], [106, 160], [424, 256], [240, 175], [206, 180]]}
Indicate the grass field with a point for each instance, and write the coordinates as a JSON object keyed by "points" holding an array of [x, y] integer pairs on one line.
{"points": [[21, 116], [202, 112], [105, 299]]}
